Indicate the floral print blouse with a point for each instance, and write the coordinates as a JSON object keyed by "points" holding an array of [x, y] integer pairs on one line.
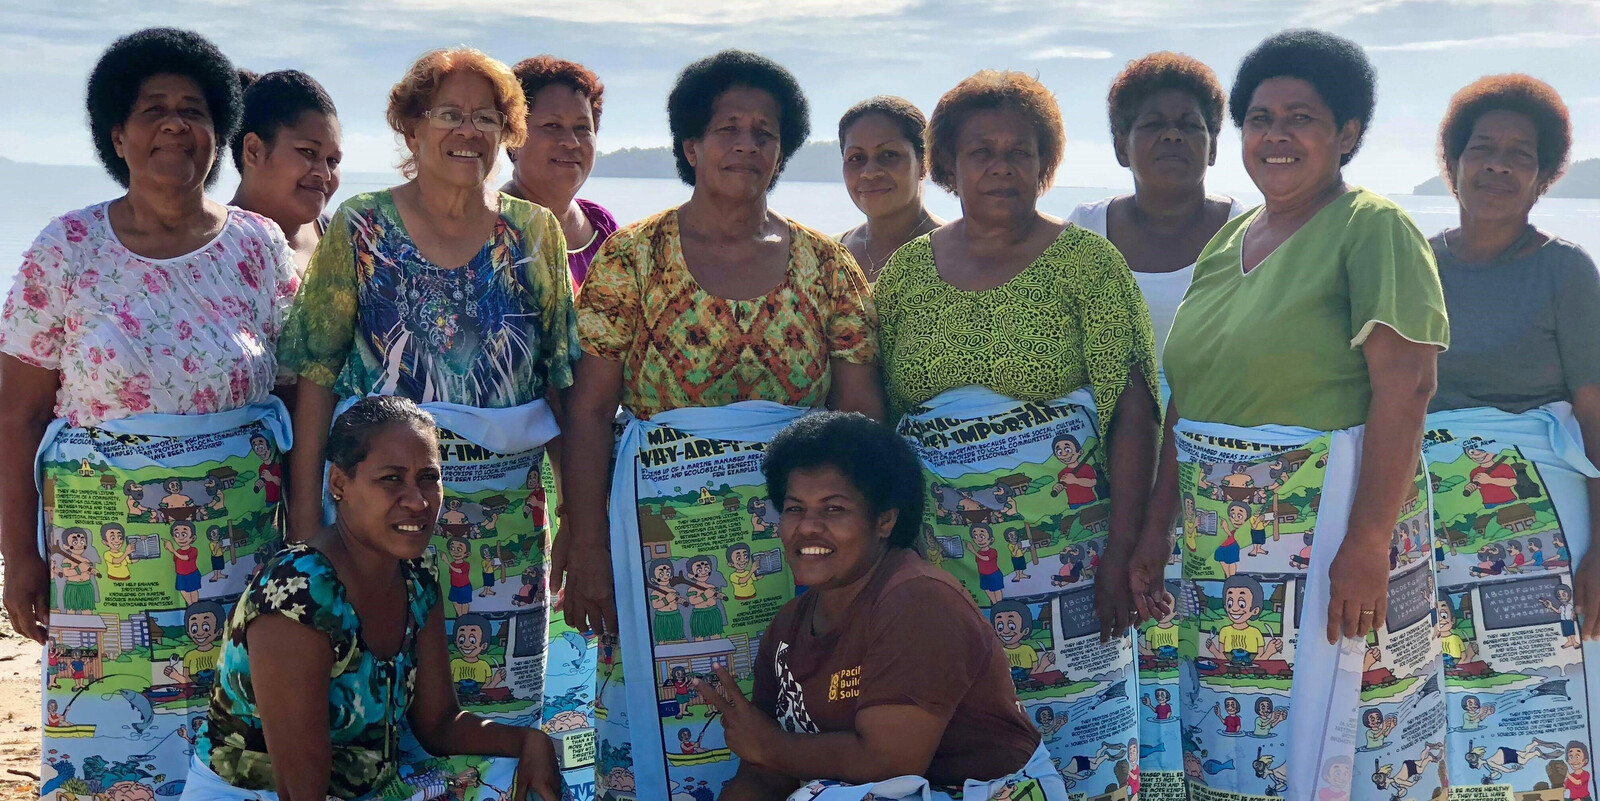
{"points": [[376, 317], [368, 697], [130, 335]]}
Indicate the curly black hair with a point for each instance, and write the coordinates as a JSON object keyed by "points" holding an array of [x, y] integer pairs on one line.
{"points": [[879, 464], [1159, 71], [902, 112], [1336, 67], [115, 81], [350, 439], [275, 101], [701, 83], [1515, 92]]}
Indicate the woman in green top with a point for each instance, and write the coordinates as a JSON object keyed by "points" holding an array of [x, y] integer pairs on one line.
{"points": [[1301, 363]]}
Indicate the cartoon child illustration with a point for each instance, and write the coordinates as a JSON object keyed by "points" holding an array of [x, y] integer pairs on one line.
{"points": [[1536, 553], [533, 507], [763, 518], [1078, 479], [1268, 717], [472, 673], [667, 625], [1049, 722], [1012, 624], [1562, 606], [175, 497], [741, 572], [53, 716], [532, 584], [1019, 559], [1302, 560], [184, 560], [683, 688], [1377, 727], [1577, 784], [77, 571], [1474, 713], [1502, 760], [77, 662], [1191, 523], [460, 574], [1518, 558], [987, 558], [134, 493], [1159, 639], [218, 561], [687, 745], [1494, 480], [270, 481], [1240, 642], [1336, 775], [1454, 648], [1079, 768], [1228, 713], [1491, 561], [489, 565], [202, 621], [1227, 553], [706, 620], [1072, 567], [1563, 556], [116, 557], [1162, 706], [1277, 777], [453, 515], [1258, 533]]}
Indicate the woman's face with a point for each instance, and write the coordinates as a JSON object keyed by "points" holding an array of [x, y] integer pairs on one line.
{"points": [[737, 156], [390, 503], [1169, 146], [462, 157], [1497, 177], [299, 172], [997, 167], [881, 170], [830, 537], [168, 138], [1291, 142], [559, 153]]}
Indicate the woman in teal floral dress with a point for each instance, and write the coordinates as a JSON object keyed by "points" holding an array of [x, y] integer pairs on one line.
{"points": [[340, 637]]}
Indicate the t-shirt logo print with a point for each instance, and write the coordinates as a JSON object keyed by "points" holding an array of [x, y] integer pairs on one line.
{"points": [[791, 707]]}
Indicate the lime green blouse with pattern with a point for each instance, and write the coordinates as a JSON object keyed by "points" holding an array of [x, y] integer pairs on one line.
{"points": [[1072, 318], [1282, 343]]}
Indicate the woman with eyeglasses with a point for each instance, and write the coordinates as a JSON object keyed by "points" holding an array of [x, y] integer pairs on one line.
{"points": [[458, 299]]}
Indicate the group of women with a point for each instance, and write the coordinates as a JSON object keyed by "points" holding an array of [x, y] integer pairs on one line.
{"points": [[1120, 393]]}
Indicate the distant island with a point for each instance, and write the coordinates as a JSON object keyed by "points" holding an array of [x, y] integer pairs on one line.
{"points": [[814, 161], [1581, 181]]}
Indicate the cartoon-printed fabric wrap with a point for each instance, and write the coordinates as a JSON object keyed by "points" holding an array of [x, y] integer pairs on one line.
{"points": [[699, 574], [1037, 781], [569, 681], [1018, 513], [1268, 706], [1511, 508], [151, 526], [492, 547]]}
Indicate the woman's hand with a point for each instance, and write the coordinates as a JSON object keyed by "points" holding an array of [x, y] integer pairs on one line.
{"points": [[538, 772], [1585, 594], [27, 595], [1358, 589], [580, 570], [1147, 568], [1113, 600], [747, 730]]}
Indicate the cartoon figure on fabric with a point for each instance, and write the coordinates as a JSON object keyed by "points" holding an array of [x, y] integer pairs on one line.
{"points": [[1497, 762], [202, 621], [1228, 713], [1268, 717], [1337, 773], [990, 579], [184, 560], [470, 671], [667, 624], [683, 689], [1191, 523], [1535, 553], [1227, 553], [454, 513], [135, 494], [533, 507], [1073, 568], [1377, 726], [707, 618], [1050, 724], [1277, 777], [1258, 533], [460, 574], [488, 566], [1078, 480], [117, 557], [219, 561], [1402, 777], [270, 483], [532, 589], [1161, 707], [1238, 477], [1019, 558], [1491, 561], [1079, 768], [1159, 639], [1302, 559], [1456, 650], [1577, 783], [1562, 606], [741, 572], [686, 742], [1012, 624], [1493, 479], [53, 715], [175, 497], [1240, 642], [945, 502], [75, 569], [1563, 556], [764, 518], [1474, 712]]}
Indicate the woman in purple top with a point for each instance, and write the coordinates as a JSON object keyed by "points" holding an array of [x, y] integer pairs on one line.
{"points": [[564, 100]]}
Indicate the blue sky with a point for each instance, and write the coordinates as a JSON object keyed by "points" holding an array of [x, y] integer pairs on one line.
{"points": [[842, 51]]}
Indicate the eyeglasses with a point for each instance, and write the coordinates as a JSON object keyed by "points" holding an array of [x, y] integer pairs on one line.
{"points": [[449, 118]]}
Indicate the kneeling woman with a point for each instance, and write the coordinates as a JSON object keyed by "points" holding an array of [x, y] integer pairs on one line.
{"points": [[885, 669], [341, 636]]}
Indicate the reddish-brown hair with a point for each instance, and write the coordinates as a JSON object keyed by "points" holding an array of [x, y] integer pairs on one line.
{"points": [[1160, 71], [414, 94], [1515, 92], [540, 71], [995, 89]]}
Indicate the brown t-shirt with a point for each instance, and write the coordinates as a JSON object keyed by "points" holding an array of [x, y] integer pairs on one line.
{"points": [[914, 637]]}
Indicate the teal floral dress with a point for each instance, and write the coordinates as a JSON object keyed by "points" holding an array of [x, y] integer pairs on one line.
{"points": [[367, 697]]}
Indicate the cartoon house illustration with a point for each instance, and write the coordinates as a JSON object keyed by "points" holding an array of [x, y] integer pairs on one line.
{"points": [[1096, 519], [1293, 459], [108, 482], [736, 652], [1015, 484], [1285, 513], [85, 633], [706, 497], [1516, 518], [1413, 499], [655, 536], [226, 477]]}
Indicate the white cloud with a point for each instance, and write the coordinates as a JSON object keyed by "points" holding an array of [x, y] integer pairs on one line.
{"points": [[1094, 53], [1526, 39]]}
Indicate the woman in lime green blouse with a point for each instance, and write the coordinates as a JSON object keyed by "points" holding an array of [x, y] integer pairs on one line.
{"points": [[1301, 364]]}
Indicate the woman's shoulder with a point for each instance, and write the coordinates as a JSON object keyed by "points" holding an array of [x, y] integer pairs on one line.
{"points": [[252, 225], [598, 215], [909, 580], [907, 266], [77, 227], [365, 201], [641, 232], [1092, 215]]}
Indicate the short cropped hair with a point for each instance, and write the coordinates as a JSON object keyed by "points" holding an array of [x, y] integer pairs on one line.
{"points": [[275, 101], [1334, 66], [1158, 72], [540, 71], [902, 112], [701, 83], [415, 92], [878, 463], [994, 89], [1522, 94], [350, 439], [117, 77]]}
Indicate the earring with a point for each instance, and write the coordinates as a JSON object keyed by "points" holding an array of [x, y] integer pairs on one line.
{"points": [[338, 498]]}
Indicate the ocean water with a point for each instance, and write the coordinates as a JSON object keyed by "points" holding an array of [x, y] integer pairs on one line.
{"points": [[825, 206]]}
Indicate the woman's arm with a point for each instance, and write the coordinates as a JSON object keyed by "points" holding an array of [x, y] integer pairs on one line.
{"points": [[443, 728], [313, 416], [30, 394], [1147, 567], [1586, 578], [290, 664], [1132, 464], [856, 388], [1403, 375], [582, 558]]}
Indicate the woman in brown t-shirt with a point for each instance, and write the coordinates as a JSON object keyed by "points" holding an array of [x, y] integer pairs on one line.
{"points": [[884, 667]]}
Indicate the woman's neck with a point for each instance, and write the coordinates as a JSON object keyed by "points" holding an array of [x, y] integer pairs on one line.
{"points": [[362, 566], [721, 218], [1481, 240], [892, 230], [1297, 210], [834, 604], [448, 202], [563, 205], [1168, 210], [301, 235], [1000, 233], [157, 208]]}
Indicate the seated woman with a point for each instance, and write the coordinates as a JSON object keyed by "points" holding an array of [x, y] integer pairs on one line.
{"points": [[341, 636], [884, 668]]}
